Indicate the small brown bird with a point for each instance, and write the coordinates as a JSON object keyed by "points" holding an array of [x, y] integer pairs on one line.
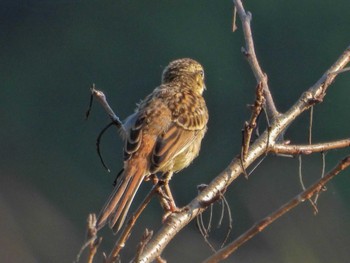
{"points": [[163, 136]]}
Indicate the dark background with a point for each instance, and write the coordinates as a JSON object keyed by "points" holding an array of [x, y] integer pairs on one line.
{"points": [[51, 177]]}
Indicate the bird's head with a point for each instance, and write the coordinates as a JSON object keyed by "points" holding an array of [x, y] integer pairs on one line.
{"points": [[185, 69]]}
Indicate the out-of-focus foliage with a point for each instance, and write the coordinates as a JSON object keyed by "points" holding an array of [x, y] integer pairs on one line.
{"points": [[51, 177]]}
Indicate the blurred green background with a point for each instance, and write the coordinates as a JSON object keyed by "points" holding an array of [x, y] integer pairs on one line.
{"points": [[51, 177]]}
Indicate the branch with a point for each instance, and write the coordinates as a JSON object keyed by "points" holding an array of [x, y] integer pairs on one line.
{"points": [[249, 52], [267, 141], [309, 148], [93, 242], [260, 226], [251, 125], [101, 98], [177, 221]]}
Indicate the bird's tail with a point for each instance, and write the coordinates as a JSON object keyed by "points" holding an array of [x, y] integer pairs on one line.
{"points": [[118, 204]]}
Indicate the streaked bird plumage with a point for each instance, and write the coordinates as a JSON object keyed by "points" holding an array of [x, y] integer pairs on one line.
{"points": [[162, 136]]}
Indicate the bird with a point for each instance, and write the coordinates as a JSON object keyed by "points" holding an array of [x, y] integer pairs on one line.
{"points": [[162, 136]]}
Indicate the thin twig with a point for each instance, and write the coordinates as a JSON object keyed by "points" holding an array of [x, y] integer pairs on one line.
{"points": [[262, 224], [222, 214], [300, 173], [249, 127], [303, 185], [200, 222], [203, 231], [230, 220], [244, 171], [341, 70], [322, 175], [211, 211], [101, 98], [92, 241], [98, 144], [87, 113], [310, 124], [257, 165], [234, 15]]}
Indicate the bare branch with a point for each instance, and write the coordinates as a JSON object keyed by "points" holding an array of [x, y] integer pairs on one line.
{"points": [[98, 145], [234, 15], [322, 175], [267, 142], [147, 235], [309, 148], [177, 221], [262, 224], [303, 185], [101, 98], [249, 52], [92, 241], [310, 124], [249, 127]]}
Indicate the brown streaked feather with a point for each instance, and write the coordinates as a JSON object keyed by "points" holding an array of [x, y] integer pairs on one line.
{"points": [[168, 146], [190, 111], [133, 140], [189, 116]]}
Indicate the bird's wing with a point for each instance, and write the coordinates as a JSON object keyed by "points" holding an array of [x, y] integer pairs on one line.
{"points": [[180, 116], [133, 125], [169, 145], [190, 118]]}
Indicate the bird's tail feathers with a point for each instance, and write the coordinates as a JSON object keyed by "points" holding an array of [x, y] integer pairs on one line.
{"points": [[118, 204]]}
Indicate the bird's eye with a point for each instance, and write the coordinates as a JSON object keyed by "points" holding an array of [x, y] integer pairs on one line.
{"points": [[201, 72]]}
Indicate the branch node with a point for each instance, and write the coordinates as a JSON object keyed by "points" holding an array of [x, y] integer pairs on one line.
{"points": [[249, 16], [245, 52]]}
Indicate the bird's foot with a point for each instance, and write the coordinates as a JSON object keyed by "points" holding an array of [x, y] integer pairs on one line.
{"points": [[174, 209]]}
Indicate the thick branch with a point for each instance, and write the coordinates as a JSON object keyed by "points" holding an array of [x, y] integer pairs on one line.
{"points": [[209, 195], [262, 224], [177, 221], [309, 148]]}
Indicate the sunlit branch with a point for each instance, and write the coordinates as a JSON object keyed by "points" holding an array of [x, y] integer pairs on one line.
{"points": [[309, 148], [262, 224]]}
